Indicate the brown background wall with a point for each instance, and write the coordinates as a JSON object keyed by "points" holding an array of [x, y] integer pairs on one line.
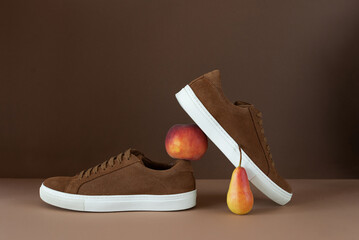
{"points": [[82, 80]]}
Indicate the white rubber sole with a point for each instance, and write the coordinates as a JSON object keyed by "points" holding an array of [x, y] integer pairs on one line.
{"points": [[117, 203], [209, 125]]}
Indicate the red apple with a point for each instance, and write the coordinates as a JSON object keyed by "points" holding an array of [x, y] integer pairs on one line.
{"points": [[186, 141]]}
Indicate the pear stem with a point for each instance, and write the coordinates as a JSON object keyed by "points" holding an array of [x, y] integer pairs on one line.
{"points": [[240, 159]]}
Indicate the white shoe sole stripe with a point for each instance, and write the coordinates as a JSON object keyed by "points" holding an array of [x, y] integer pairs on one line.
{"points": [[115, 203]]}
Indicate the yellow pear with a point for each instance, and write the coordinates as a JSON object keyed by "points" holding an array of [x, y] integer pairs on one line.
{"points": [[239, 196]]}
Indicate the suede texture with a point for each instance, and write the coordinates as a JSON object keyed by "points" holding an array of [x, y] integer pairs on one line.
{"points": [[240, 121], [130, 176]]}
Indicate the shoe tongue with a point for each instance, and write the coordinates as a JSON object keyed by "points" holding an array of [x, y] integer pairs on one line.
{"points": [[135, 153], [242, 104]]}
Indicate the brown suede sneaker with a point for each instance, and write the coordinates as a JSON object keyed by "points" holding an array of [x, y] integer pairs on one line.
{"points": [[126, 182], [233, 125]]}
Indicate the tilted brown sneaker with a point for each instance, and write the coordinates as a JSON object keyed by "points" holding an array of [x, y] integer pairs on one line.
{"points": [[233, 125], [126, 182]]}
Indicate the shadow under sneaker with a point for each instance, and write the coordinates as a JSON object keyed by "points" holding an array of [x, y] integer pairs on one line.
{"points": [[126, 182], [233, 125]]}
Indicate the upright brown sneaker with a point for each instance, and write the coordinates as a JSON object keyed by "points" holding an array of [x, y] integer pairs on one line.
{"points": [[233, 125], [126, 182]]}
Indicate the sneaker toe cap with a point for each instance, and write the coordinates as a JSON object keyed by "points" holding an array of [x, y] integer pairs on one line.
{"points": [[57, 183], [281, 182]]}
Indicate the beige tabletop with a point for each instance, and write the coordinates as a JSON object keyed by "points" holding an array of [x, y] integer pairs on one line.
{"points": [[320, 209]]}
